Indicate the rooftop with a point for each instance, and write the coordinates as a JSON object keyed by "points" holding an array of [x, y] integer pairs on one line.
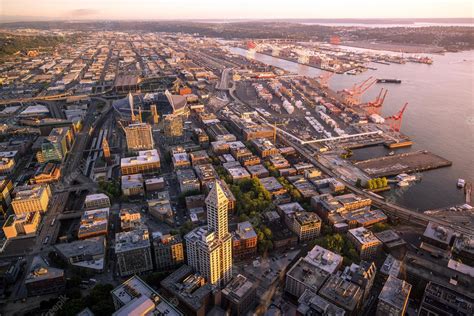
{"points": [[144, 156], [245, 231], [363, 235], [308, 274], [134, 294], [309, 301], [39, 270], [342, 292], [238, 288], [134, 239], [324, 259], [439, 233], [187, 286], [395, 292]]}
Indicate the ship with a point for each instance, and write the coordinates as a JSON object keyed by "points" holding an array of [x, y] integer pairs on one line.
{"points": [[389, 81]]}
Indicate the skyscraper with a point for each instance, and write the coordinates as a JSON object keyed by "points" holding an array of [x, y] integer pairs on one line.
{"points": [[139, 136], [209, 249]]}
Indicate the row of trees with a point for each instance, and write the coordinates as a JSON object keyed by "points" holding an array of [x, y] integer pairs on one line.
{"points": [[377, 183]]}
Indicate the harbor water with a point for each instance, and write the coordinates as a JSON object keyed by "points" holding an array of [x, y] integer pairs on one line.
{"points": [[439, 118]]}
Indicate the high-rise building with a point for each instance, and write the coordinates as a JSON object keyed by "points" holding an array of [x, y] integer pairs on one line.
{"points": [[209, 249], [139, 136]]}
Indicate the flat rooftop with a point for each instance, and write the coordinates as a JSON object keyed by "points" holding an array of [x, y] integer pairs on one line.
{"points": [[134, 239], [324, 259], [363, 235], [144, 157], [395, 292], [308, 274]]}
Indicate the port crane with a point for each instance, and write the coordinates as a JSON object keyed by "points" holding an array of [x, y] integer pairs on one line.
{"points": [[374, 107], [352, 96], [395, 121], [324, 79]]}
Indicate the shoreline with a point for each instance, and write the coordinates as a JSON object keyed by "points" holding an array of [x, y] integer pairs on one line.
{"points": [[397, 48]]}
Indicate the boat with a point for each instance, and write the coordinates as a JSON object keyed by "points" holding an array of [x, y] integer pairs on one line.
{"points": [[403, 183], [391, 153], [389, 81], [403, 177], [461, 183]]}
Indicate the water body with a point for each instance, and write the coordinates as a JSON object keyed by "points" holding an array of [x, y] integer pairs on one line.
{"points": [[439, 118]]}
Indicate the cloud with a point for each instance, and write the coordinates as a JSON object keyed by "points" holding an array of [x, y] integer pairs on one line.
{"points": [[83, 12]]}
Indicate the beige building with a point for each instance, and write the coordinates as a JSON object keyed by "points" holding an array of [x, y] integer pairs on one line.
{"points": [[24, 224], [393, 299], [139, 136], [147, 161], [95, 201], [31, 198], [209, 249], [365, 242]]}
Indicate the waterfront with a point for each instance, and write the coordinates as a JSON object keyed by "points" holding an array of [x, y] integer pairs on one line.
{"points": [[439, 118]]}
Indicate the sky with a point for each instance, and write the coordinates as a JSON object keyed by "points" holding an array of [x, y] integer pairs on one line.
{"points": [[235, 9]]}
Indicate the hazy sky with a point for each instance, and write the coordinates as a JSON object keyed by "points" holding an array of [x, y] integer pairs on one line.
{"points": [[231, 9]]}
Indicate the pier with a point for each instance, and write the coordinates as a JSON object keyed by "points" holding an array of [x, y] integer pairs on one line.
{"points": [[403, 163]]}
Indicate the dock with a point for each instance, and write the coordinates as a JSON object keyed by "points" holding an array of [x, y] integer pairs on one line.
{"points": [[403, 163]]}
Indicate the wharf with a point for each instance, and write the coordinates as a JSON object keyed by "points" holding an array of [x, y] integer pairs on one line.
{"points": [[403, 163]]}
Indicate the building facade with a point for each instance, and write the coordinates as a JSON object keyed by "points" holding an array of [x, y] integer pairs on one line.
{"points": [[209, 249]]}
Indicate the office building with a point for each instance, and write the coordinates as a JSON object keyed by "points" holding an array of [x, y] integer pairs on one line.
{"points": [[438, 236], [95, 201], [133, 252], [303, 275], [147, 161], [20, 225], [133, 185], [244, 241], [324, 259], [365, 242], [130, 219], [94, 223], [343, 293], [193, 293], [393, 299], [446, 300], [239, 296], [160, 208], [139, 137], [31, 198], [56, 145], [188, 182], [135, 297], [311, 304], [168, 251], [49, 172], [6, 188], [210, 249], [41, 279], [362, 274], [84, 255]]}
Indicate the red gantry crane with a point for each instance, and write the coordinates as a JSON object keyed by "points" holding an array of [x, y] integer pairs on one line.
{"points": [[395, 121], [352, 96], [374, 107]]}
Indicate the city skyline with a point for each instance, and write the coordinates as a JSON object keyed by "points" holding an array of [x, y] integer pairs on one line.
{"points": [[243, 9]]}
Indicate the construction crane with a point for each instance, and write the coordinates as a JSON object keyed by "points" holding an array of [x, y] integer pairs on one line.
{"points": [[395, 121], [324, 79], [352, 96], [374, 107]]}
